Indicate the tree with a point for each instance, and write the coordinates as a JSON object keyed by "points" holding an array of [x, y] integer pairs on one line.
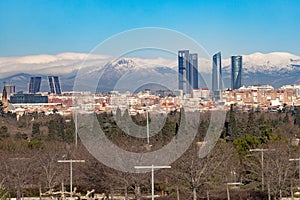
{"points": [[297, 115], [193, 173], [36, 133], [56, 128], [251, 126], [232, 125], [286, 118], [4, 132], [19, 170], [47, 161], [278, 169]]}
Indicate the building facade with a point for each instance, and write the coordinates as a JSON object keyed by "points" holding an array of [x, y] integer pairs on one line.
{"points": [[20, 98], [193, 69], [187, 71], [217, 84], [183, 64], [236, 72], [54, 85], [34, 84], [10, 89]]}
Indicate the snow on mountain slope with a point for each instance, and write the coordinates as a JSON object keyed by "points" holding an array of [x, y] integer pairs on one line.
{"points": [[267, 63], [258, 68]]}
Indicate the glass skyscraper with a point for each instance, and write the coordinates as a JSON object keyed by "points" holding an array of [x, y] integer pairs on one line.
{"points": [[187, 71], [183, 65], [193, 79], [54, 85], [236, 72], [217, 72], [35, 84]]}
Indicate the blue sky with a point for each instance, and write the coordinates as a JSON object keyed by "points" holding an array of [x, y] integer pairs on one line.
{"points": [[30, 27]]}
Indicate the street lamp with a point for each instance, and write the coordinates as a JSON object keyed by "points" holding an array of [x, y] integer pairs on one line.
{"points": [[148, 135], [231, 184], [262, 163], [71, 169], [152, 167], [76, 126]]}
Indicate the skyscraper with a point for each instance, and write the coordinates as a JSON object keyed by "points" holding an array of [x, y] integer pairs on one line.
{"points": [[54, 85], [194, 70], [217, 73], [236, 72], [187, 71], [35, 84], [183, 65]]}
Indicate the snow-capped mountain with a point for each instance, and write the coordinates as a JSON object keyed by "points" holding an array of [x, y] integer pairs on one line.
{"points": [[267, 63], [276, 69], [102, 72]]}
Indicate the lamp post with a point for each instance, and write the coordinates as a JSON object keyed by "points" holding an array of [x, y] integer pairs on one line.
{"points": [[262, 163], [148, 135], [71, 171], [231, 184], [76, 126], [152, 167]]}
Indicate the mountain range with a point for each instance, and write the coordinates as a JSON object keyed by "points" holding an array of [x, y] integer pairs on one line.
{"points": [[102, 73]]}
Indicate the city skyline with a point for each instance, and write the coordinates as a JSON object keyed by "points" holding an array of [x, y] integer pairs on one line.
{"points": [[28, 28]]}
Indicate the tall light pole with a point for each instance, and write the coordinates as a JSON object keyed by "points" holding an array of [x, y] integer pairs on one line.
{"points": [[71, 169], [152, 167], [231, 184], [296, 159], [148, 135], [262, 163], [76, 126]]}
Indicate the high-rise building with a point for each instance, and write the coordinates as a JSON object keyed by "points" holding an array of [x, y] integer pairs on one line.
{"points": [[217, 85], [194, 70], [183, 65], [217, 72], [35, 84], [54, 84], [236, 72], [187, 71]]}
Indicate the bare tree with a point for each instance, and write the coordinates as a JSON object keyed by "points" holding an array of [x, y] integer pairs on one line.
{"points": [[278, 169], [192, 172], [47, 161]]}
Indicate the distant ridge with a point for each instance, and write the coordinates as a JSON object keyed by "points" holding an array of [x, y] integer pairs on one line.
{"points": [[276, 69]]}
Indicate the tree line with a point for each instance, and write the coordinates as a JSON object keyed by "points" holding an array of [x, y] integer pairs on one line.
{"points": [[31, 146]]}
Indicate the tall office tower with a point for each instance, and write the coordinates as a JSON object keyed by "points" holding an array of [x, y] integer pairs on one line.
{"points": [[236, 72], [54, 84], [183, 66], [188, 71], [34, 84], [217, 85], [194, 71]]}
